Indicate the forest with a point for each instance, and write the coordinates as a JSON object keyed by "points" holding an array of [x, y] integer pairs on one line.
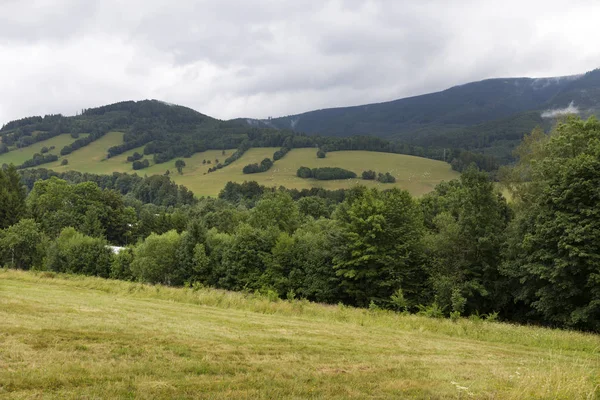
{"points": [[460, 250]]}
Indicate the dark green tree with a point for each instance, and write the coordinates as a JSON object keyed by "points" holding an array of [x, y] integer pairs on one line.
{"points": [[553, 251], [179, 164], [378, 249]]}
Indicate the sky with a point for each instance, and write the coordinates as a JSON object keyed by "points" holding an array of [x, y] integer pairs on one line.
{"points": [[261, 58]]}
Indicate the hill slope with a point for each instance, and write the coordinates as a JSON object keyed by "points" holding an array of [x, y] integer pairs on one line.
{"points": [[73, 337], [493, 113], [415, 174]]}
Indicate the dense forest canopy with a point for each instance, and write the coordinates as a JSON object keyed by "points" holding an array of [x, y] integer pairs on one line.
{"points": [[460, 250], [488, 117]]}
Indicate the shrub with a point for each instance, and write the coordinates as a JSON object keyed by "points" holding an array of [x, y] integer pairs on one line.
{"points": [[135, 157], [386, 178], [120, 267], [369, 175], [141, 164], [155, 259], [264, 166], [74, 252]]}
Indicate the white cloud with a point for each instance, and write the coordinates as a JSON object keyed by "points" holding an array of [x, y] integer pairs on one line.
{"points": [[260, 58], [558, 112]]}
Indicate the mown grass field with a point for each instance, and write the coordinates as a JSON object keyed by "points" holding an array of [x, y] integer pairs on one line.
{"points": [[415, 174], [73, 337], [18, 156]]}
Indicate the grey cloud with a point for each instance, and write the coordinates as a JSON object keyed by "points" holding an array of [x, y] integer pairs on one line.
{"points": [[234, 58]]}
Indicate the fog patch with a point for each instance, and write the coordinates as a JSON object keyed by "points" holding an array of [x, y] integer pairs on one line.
{"points": [[559, 112]]}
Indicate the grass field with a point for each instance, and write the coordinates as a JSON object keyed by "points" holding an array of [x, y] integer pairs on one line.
{"points": [[91, 158], [417, 175], [73, 337], [18, 156]]}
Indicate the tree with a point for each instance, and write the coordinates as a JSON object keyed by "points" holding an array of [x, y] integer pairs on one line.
{"points": [[22, 245], [76, 253], [386, 178], [64, 162], [302, 263], [276, 209], [12, 197], [155, 259], [553, 252], [243, 263], [321, 153], [369, 175], [378, 249], [179, 164], [467, 221], [56, 204]]}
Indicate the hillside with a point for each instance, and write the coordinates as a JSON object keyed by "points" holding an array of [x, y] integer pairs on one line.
{"points": [[416, 174], [489, 116], [95, 338]]}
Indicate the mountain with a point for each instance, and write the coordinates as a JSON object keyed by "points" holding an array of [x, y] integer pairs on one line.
{"points": [[488, 116]]}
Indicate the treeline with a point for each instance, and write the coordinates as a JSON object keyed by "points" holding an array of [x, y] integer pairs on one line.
{"points": [[156, 189], [325, 173], [459, 250], [96, 134], [39, 159]]}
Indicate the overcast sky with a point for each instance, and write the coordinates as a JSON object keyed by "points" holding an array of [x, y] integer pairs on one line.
{"points": [[260, 58]]}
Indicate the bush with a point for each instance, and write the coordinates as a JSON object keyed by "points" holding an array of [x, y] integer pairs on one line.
{"points": [[141, 164], [74, 252], [135, 157], [155, 259], [264, 166], [369, 175], [321, 153], [44, 150], [22, 245], [386, 178], [64, 162], [304, 172], [121, 265]]}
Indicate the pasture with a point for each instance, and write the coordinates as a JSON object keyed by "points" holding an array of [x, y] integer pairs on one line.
{"points": [[415, 174], [73, 337]]}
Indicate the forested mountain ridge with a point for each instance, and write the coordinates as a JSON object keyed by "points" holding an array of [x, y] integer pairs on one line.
{"points": [[490, 116], [166, 130]]}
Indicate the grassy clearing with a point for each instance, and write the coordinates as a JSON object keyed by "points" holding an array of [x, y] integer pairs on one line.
{"points": [[415, 174], [19, 156], [76, 337], [92, 158]]}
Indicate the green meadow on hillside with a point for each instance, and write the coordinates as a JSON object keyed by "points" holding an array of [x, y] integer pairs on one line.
{"points": [[415, 174], [73, 337], [19, 156]]}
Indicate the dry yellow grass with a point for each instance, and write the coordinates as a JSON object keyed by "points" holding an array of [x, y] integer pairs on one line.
{"points": [[72, 337]]}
